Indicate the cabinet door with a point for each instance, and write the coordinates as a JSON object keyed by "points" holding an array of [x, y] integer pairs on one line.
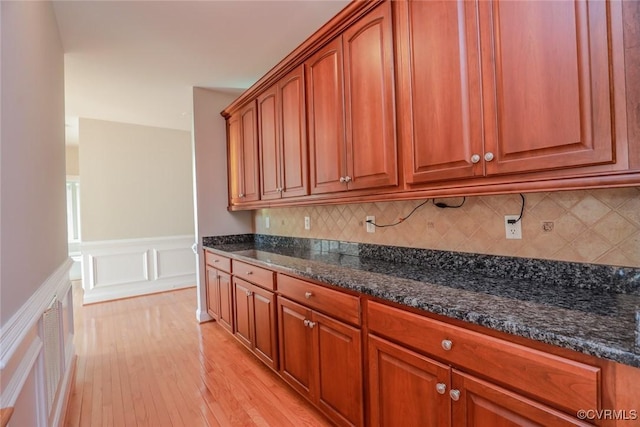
{"points": [[268, 136], [325, 103], [213, 299], [294, 170], [243, 308], [338, 350], [295, 341], [265, 343], [235, 164], [403, 387], [485, 404], [440, 117], [249, 137], [369, 98], [546, 80], [225, 317]]}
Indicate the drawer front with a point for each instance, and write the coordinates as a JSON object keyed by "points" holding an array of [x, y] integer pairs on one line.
{"points": [[560, 382], [217, 261], [251, 273], [334, 303]]}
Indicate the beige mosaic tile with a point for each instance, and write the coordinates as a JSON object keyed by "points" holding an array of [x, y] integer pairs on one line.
{"points": [[598, 226]]}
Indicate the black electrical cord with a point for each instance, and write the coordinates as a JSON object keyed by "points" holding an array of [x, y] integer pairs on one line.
{"points": [[513, 221], [444, 205], [400, 220]]}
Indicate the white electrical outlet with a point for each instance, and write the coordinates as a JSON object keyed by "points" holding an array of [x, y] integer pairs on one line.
{"points": [[267, 222], [514, 230], [370, 227], [307, 223]]}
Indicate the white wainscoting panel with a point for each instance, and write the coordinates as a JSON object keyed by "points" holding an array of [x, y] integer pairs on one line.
{"points": [[24, 380], [117, 269], [174, 262]]}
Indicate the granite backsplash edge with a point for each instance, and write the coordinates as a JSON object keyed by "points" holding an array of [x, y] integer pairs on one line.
{"points": [[624, 280]]}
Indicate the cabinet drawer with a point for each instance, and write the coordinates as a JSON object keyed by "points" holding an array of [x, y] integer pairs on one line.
{"points": [[560, 382], [333, 303], [251, 273], [217, 261]]}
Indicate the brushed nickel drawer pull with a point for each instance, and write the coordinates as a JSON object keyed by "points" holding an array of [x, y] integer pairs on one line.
{"points": [[308, 295], [447, 344]]}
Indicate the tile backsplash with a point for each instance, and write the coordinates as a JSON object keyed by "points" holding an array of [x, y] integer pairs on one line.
{"points": [[593, 226]]}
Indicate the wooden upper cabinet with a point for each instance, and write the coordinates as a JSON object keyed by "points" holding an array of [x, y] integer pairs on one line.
{"points": [[243, 155], [283, 138], [502, 87], [325, 109], [268, 137], [352, 134], [439, 89], [371, 149], [294, 171], [547, 80]]}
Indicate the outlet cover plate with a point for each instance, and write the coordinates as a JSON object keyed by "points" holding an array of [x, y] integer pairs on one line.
{"points": [[307, 223], [370, 227], [267, 222], [513, 231]]}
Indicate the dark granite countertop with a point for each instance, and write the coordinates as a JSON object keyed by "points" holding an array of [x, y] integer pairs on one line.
{"points": [[592, 314]]}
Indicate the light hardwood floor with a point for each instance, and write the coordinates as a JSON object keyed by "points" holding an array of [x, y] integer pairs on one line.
{"points": [[147, 362]]}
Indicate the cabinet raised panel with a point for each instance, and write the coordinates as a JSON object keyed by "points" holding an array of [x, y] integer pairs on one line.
{"points": [[325, 101], [213, 298], [352, 133], [295, 345], [242, 312], [282, 138], [503, 87], [243, 155], [439, 89], [269, 144], [485, 404], [338, 349], [549, 69], [255, 320], [294, 174], [225, 317], [369, 99], [403, 387]]}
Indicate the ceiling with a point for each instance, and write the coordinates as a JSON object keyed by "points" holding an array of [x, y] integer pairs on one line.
{"points": [[137, 61]]}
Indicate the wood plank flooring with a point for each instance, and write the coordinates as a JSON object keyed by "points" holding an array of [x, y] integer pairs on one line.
{"points": [[147, 362]]}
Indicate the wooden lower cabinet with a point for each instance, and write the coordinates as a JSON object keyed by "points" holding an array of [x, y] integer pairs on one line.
{"points": [[225, 316], [481, 403], [255, 320], [213, 296], [321, 358], [219, 297], [403, 387], [410, 389]]}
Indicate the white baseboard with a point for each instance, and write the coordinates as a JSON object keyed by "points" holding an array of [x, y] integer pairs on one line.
{"points": [[117, 269]]}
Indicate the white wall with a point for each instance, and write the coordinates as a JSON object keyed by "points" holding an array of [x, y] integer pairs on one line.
{"points": [[34, 224], [210, 176], [33, 236], [136, 181], [136, 203], [72, 160]]}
